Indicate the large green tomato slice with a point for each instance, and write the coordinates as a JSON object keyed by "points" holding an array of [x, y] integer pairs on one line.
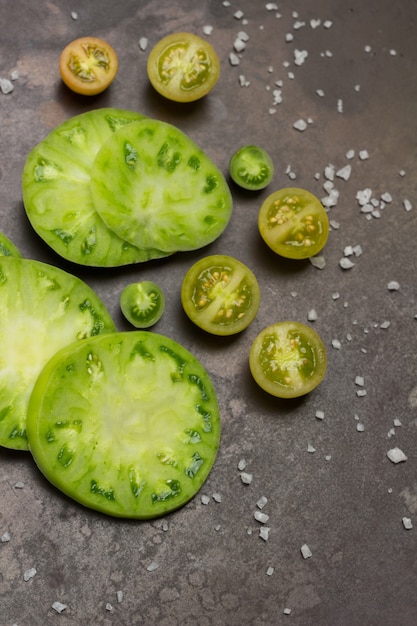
{"points": [[57, 197], [42, 309], [155, 188], [127, 424]]}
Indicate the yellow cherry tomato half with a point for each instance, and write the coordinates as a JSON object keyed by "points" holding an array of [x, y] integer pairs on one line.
{"points": [[293, 223], [183, 67], [288, 359], [88, 65]]}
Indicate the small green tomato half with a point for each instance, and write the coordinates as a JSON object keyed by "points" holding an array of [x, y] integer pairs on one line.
{"points": [[251, 167], [142, 303]]}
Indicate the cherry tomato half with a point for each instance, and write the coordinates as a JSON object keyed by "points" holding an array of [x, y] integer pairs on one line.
{"points": [[183, 67], [142, 303], [220, 295], [288, 359], [293, 223], [251, 167], [88, 65]]}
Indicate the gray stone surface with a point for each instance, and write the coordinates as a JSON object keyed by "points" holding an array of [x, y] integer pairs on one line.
{"points": [[322, 461]]}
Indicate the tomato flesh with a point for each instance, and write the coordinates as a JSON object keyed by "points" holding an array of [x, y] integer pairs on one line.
{"points": [[183, 67], [220, 295], [142, 303], [251, 168], [128, 425], [288, 359], [88, 65], [293, 223], [42, 309]]}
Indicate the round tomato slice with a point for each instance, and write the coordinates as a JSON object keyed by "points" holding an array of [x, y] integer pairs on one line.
{"points": [[251, 167], [183, 67], [129, 426], [88, 65], [288, 359], [142, 303], [220, 295], [293, 223]]}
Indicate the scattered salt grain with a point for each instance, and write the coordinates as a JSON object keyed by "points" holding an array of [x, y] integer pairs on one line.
{"points": [[205, 499], [298, 24], [320, 92], [396, 455], [217, 497], [312, 315], [368, 49], [246, 478], [311, 449], [29, 573], [397, 422], [59, 607], [271, 6], [327, 24], [241, 465], [315, 23], [262, 502], [261, 517], [318, 262], [289, 37], [74, 15], [393, 285], [152, 566], [19, 485], [300, 125], [350, 154], [407, 205], [238, 15], [344, 172], [287, 611], [5, 537], [119, 596], [407, 523], [334, 224], [269, 571], [208, 29], [305, 551], [346, 264], [361, 393], [364, 196], [336, 344], [6, 85], [264, 532], [360, 381], [340, 105], [239, 45], [360, 427], [143, 43], [233, 59], [109, 607], [363, 155], [319, 415], [300, 56]]}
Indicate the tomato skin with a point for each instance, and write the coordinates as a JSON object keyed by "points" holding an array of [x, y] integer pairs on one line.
{"points": [[183, 67], [288, 359], [88, 65], [293, 223], [251, 168], [220, 295], [142, 303]]}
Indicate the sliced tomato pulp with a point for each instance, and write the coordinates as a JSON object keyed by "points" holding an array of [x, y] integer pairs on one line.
{"points": [[288, 359]]}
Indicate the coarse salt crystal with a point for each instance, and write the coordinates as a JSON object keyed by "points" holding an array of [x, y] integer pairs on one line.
{"points": [[305, 551], [246, 478], [152, 566], [344, 172], [59, 607], [217, 497], [407, 205], [300, 125], [264, 532], [233, 59], [318, 262], [205, 499], [396, 455], [319, 414], [208, 29], [312, 315], [407, 523], [393, 285], [29, 573], [143, 43], [262, 502], [261, 517], [336, 344], [5, 537], [363, 155], [346, 264], [269, 571]]}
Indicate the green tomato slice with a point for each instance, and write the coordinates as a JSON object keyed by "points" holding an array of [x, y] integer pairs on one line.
{"points": [[7, 247], [220, 295], [57, 196], [293, 223], [155, 188], [127, 424], [42, 309], [251, 167], [288, 359], [142, 303]]}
